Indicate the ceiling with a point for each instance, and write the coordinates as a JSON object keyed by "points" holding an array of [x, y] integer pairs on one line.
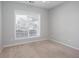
{"points": [[42, 4]]}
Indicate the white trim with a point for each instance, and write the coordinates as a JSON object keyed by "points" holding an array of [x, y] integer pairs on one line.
{"points": [[65, 44], [27, 38], [22, 43]]}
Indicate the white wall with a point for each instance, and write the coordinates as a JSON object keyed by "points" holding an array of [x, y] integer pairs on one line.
{"points": [[0, 26], [64, 25], [8, 22]]}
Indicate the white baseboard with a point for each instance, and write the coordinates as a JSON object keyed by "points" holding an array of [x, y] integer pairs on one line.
{"points": [[65, 44], [22, 43]]}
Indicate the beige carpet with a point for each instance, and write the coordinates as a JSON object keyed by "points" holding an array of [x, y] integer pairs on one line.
{"points": [[41, 49]]}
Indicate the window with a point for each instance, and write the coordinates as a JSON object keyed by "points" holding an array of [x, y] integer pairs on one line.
{"points": [[27, 26]]}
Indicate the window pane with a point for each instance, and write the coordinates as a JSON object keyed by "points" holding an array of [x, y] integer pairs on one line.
{"points": [[21, 26], [27, 26], [32, 33], [20, 33]]}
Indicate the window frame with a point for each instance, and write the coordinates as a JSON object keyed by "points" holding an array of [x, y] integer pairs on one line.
{"points": [[28, 31]]}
